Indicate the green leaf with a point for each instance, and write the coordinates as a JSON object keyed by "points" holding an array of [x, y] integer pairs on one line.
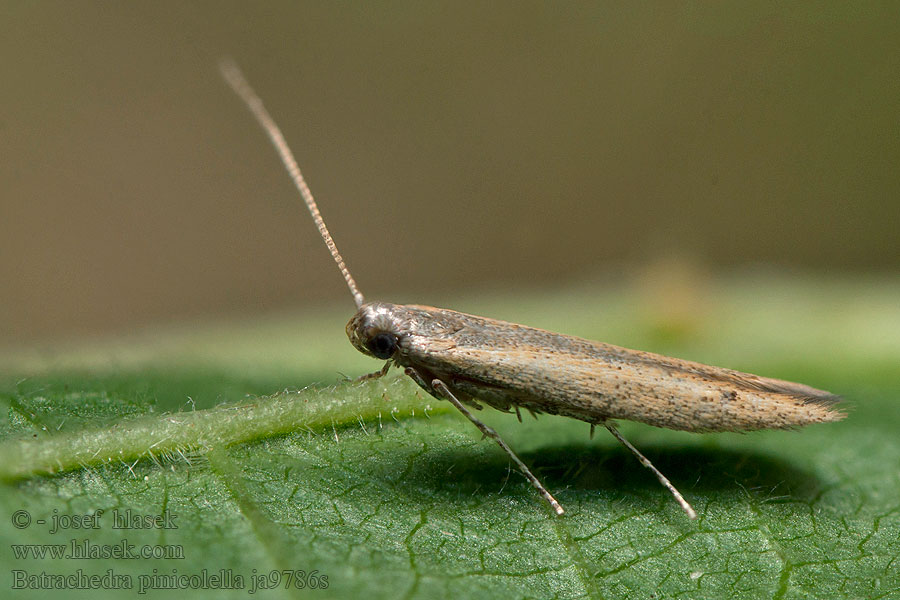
{"points": [[381, 498]]}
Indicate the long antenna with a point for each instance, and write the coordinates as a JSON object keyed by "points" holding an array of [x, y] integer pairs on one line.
{"points": [[233, 76]]}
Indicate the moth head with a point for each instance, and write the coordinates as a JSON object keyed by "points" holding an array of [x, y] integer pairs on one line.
{"points": [[375, 330]]}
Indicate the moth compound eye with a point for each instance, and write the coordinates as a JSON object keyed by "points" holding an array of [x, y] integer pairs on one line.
{"points": [[382, 345]]}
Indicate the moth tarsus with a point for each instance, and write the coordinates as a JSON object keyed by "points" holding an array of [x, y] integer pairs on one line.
{"points": [[469, 361]]}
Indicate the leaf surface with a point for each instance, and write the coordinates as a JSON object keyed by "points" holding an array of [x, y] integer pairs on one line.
{"points": [[363, 486]]}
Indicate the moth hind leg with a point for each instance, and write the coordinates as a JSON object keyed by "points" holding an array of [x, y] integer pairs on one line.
{"points": [[691, 513]]}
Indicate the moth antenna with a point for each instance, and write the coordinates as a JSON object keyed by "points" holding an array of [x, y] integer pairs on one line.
{"points": [[235, 78]]}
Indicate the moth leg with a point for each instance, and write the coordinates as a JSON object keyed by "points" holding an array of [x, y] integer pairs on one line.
{"points": [[646, 462], [374, 375], [441, 388]]}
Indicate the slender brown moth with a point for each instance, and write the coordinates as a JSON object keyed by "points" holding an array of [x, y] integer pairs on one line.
{"points": [[471, 361]]}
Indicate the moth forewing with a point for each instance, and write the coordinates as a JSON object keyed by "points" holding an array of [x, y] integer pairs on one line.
{"points": [[472, 360], [506, 365]]}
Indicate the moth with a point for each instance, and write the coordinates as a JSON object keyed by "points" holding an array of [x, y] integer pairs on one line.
{"points": [[474, 361]]}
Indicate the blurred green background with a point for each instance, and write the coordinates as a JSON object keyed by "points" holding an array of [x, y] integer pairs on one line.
{"points": [[454, 148]]}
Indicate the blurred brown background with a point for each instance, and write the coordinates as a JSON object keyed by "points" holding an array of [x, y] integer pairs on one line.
{"points": [[452, 145]]}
